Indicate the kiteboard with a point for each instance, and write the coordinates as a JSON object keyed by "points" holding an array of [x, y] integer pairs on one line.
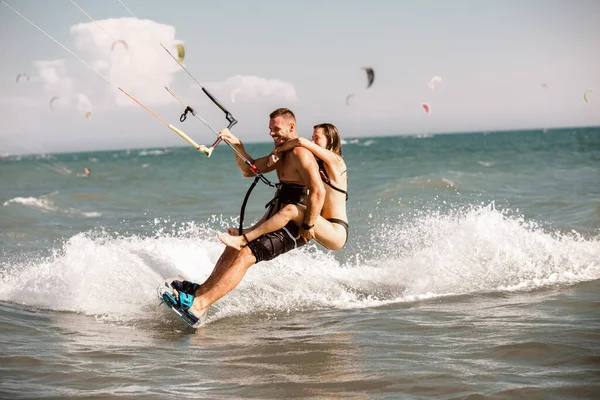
{"points": [[179, 302]]}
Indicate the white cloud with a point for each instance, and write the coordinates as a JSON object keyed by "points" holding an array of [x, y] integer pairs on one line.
{"points": [[253, 88], [127, 52], [57, 85], [51, 72], [100, 65], [83, 102], [141, 67]]}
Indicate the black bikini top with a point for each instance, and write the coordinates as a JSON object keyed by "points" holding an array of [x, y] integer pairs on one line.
{"points": [[326, 180]]}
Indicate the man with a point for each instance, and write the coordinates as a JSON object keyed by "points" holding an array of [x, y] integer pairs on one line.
{"points": [[298, 173]]}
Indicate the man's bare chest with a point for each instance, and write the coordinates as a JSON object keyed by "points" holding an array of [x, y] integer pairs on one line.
{"points": [[287, 171]]}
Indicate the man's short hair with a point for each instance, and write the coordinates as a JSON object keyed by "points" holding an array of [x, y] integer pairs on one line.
{"points": [[283, 112]]}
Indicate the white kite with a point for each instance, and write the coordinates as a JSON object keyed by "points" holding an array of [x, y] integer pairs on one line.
{"points": [[586, 97], [433, 81]]}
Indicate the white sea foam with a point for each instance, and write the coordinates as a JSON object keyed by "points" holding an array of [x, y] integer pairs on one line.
{"points": [[45, 204], [469, 251], [144, 153], [482, 249]]}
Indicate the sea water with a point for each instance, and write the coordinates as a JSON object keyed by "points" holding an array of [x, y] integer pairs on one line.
{"points": [[472, 269]]}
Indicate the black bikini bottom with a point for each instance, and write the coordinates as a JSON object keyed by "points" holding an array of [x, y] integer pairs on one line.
{"points": [[340, 222]]}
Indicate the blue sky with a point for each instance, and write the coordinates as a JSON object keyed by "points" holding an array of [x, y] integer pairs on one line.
{"points": [[504, 65]]}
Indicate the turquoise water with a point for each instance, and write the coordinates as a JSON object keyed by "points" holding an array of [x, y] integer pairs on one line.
{"points": [[472, 267]]}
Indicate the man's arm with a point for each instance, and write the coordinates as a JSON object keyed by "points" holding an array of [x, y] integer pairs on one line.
{"points": [[328, 156], [261, 163], [309, 171]]}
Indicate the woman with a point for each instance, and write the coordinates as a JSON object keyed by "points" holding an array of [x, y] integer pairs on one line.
{"points": [[331, 228]]}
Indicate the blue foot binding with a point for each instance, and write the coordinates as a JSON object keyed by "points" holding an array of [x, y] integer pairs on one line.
{"points": [[179, 297]]}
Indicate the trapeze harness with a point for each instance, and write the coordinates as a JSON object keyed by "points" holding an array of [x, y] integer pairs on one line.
{"points": [[287, 193]]}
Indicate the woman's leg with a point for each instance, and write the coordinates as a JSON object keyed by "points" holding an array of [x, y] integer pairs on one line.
{"points": [[288, 213], [330, 236], [235, 231]]}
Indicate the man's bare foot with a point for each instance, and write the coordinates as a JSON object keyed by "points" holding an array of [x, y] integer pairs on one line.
{"points": [[237, 242]]}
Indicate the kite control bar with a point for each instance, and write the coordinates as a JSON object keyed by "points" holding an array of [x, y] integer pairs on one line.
{"points": [[232, 121], [228, 116], [202, 148], [208, 150]]}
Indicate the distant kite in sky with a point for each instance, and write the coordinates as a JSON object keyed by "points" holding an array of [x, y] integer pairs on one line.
{"points": [[88, 114], [426, 107], [370, 76], [51, 102], [370, 79], [180, 52], [433, 81], [586, 97], [124, 43], [22, 76]]}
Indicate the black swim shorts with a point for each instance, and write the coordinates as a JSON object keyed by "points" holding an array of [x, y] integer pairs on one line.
{"points": [[274, 244]]}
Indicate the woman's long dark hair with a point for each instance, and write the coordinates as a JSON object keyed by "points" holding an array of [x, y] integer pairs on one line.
{"points": [[334, 142]]}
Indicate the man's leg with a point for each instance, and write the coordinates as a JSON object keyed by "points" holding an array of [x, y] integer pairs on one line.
{"points": [[227, 276], [223, 282], [223, 263]]}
